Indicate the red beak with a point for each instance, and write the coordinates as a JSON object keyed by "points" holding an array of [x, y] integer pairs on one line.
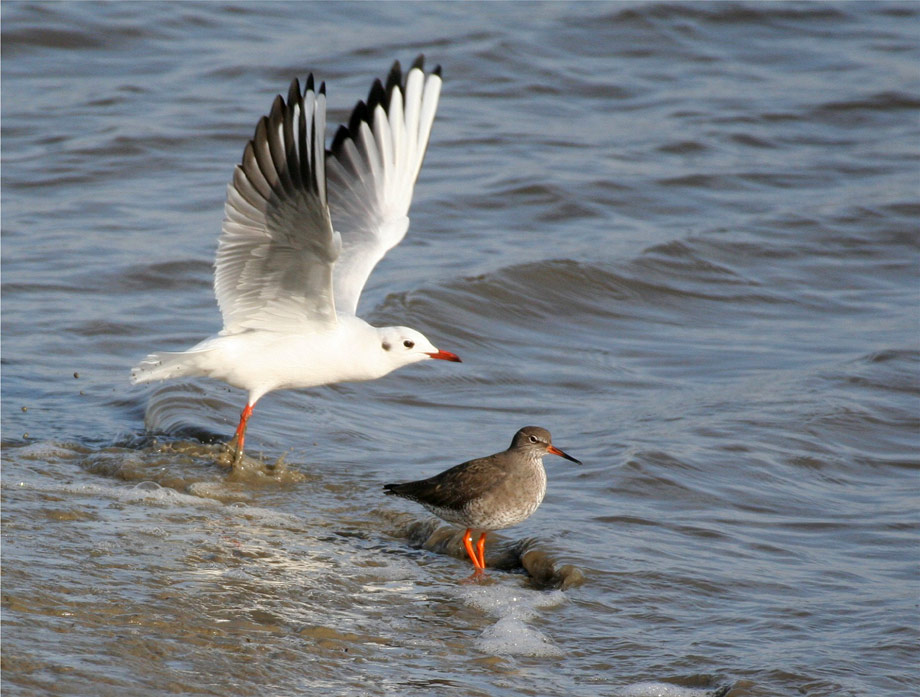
{"points": [[446, 356]]}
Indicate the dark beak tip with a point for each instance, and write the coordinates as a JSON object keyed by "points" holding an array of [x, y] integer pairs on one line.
{"points": [[556, 451]]}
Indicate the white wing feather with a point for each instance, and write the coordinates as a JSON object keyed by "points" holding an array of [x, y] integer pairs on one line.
{"points": [[372, 168], [277, 246], [280, 264]]}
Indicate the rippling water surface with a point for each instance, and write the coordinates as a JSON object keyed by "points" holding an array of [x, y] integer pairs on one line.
{"points": [[683, 237]]}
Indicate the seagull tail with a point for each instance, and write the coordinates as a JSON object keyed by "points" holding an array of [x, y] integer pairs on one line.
{"points": [[165, 365]]}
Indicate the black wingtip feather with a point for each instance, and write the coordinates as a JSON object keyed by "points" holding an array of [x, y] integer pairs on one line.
{"points": [[309, 82], [277, 108], [291, 132], [322, 88], [261, 128], [278, 144], [358, 115], [293, 92], [380, 93], [394, 79], [378, 96], [341, 135]]}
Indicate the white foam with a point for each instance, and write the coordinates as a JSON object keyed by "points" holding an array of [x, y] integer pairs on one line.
{"points": [[45, 450], [511, 635], [150, 492], [215, 490], [503, 601], [146, 492], [266, 516], [662, 689]]}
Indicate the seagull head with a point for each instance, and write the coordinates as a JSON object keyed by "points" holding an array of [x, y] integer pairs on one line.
{"points": [[402, 346]]}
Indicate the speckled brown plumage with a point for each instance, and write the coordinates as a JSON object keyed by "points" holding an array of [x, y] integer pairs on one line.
{"points": [[488, 493]]}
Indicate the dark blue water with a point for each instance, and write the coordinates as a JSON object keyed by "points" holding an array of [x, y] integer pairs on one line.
{"points": [[683, 237]]}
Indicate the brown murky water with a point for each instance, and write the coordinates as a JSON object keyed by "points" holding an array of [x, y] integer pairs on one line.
{"points": [[681, 237]]}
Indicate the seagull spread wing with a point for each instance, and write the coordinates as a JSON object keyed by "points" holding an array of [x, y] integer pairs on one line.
{"points": [[372, 168], [277, 246]]}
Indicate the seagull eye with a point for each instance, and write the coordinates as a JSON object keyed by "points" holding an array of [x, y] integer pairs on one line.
{"points": [[385, 346], [533, 439], [408, 344]]}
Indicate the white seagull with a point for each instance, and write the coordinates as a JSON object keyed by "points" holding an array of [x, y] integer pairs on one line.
{"points": [[303, 229]]}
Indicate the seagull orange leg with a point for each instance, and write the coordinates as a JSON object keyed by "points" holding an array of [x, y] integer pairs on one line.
{"points": [[468, 543], [240, 435], [481, 547]]}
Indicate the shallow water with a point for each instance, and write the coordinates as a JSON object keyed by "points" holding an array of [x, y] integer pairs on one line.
{"points": [[681, 237]]}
